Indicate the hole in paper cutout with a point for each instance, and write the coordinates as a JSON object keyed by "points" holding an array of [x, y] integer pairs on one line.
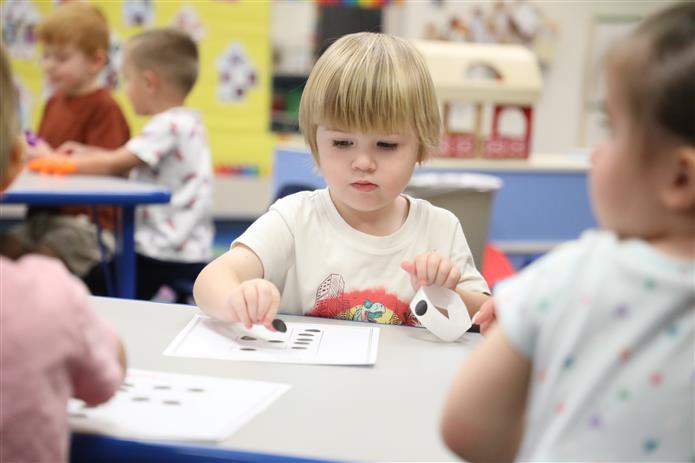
{"points": [[248, 348], [298, 347], [248, 338], [196, 389], [162, 387], [141, 399], [171, 402], [421, 307], [443, 311], [78, 415]]}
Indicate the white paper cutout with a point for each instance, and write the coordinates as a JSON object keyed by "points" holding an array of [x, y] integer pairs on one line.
{"points": [[167, 406], [204, 337]]}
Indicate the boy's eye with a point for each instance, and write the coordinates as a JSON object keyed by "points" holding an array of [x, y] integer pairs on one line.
{"points": [[387, 145], [342, 143]]}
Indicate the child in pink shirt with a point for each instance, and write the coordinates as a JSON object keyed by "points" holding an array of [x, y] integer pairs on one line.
{"points": [[52, 346]]}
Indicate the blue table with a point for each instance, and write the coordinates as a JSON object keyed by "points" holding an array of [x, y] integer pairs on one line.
{"points": [[35, 189]]}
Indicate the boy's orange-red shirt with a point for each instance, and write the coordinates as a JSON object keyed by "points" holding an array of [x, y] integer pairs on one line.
{"points": [[93, 119]]}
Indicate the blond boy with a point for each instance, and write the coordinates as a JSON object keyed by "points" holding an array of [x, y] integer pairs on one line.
{"points": [[359, 249]]}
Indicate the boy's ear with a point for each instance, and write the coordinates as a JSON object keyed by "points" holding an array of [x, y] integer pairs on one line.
{"points": [[15, 163], [680, 194], [152, 80], [99, 59]]}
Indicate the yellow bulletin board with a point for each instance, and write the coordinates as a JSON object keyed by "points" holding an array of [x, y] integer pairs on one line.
{"points": [[233, 91]]}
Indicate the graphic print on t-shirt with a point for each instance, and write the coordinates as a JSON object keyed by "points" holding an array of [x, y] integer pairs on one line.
{"points": [[375, 305]]}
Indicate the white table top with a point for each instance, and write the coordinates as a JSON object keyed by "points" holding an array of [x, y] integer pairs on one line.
{"points": [[386, 412]]}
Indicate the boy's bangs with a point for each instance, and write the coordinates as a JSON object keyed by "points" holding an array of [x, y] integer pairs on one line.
{"points": [[364, 104]]}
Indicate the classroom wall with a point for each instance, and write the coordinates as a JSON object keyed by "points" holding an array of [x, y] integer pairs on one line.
{"points": [[234, 85], [558, 114]]}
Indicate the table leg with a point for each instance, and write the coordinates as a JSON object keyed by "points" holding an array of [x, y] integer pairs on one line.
{"points": [[126, 258]]}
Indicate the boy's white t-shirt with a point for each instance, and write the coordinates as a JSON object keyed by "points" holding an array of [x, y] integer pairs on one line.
{"points": [[175, 150], [324, 267], [609, 328]]}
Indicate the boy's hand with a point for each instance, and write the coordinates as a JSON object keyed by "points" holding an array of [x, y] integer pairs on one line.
{"points": [[432, 269], [73, 147], [254, 301], [38, 149], [58, 165], [485, 317]]}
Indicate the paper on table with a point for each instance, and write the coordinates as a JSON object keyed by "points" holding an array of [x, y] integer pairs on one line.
{"points": [[167, 406], [204, 337]]}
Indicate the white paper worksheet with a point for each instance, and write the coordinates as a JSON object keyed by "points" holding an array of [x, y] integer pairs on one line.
{"points": [[165, 406], [302, 343]]}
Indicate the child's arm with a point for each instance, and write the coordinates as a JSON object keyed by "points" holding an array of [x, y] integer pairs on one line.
{"points": [[89, 160], [433, 269], [232, 288], [99, 161], [484, 411]]}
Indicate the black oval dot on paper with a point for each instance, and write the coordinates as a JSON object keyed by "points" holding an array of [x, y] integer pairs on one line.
{"points": [[141, 399], [162, 387], [248, 348], [127, 385], [421, 308], [306, 335], [196, 389], [248, 338], [279, 325], [78, 415], [313, 330], [298, 347], [302, 343], [171, 402], [276, 341]]}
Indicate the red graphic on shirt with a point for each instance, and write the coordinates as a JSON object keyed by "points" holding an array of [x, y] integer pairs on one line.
{"points": [[374, 305]]}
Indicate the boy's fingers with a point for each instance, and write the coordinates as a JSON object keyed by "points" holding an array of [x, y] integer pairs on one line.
{"points": [[421, 269], [452, 279], [251, 298], [433, 262], [408, 266], [272, 309], [263, 304]]}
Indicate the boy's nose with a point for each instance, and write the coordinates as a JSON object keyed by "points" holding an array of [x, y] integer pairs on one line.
{"points": [[363, 161]]}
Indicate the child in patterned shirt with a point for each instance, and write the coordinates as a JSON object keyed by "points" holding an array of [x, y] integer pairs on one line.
{"points": [[173, 241], [592, 355]]}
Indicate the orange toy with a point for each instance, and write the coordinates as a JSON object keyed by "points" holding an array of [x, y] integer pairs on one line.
{"points": [[56, 165]]}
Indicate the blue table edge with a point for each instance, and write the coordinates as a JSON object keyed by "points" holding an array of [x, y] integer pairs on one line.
{"points": [[106, 449]]}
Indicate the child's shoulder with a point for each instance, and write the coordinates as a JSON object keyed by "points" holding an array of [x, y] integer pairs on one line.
{"points": [[40, 277]]}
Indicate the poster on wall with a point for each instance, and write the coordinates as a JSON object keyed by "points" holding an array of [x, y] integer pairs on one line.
{"points": [[233, 88]]}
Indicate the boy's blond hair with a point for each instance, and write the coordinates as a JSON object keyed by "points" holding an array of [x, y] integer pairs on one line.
{"points": [[80, 24], [170, 53], [9, 117], [371, 83]]}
